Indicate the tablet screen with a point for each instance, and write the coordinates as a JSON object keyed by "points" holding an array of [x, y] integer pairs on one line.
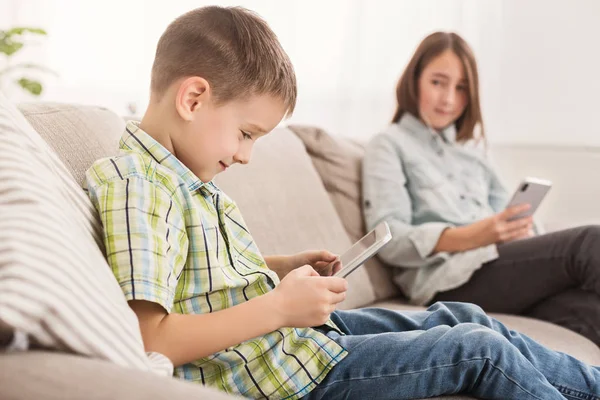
{"points": [[358, 248]]}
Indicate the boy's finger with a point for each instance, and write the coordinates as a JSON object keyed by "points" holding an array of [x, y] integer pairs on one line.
{"points": [[338, 297], [322, 255], [324, 268], [337, 266], [336, 284], [307, 270]]}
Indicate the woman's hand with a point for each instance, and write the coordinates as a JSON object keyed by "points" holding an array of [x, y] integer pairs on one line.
{"points": [[492, 230], [498, 228]]}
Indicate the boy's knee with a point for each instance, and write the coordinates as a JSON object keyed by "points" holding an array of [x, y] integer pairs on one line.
{"points": [[461, 312], [479, 341]]}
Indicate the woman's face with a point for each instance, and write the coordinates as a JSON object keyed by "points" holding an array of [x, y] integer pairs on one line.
{"points": [[443, 91]]}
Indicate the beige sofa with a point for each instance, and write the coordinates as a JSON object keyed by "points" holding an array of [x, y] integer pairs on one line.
{"points": [[300, 191]]}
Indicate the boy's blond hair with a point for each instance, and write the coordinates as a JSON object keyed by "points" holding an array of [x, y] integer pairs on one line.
{"points": [[232, 48]]}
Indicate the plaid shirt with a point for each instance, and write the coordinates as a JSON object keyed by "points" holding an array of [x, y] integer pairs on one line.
{"points": [[173, 240]]}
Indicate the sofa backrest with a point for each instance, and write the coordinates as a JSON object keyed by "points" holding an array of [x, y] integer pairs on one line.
{"points": [[280, 194]]}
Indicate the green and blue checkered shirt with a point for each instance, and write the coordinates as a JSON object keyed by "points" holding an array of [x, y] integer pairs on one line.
{"points": [[173, 240]]}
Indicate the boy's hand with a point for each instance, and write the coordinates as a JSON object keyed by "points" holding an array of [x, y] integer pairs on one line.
{"points": [[320, 260], [304, 299]]}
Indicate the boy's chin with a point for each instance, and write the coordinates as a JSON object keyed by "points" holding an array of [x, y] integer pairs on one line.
{"points": [[208, 177]]}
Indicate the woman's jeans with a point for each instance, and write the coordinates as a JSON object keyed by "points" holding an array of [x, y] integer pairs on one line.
{"points": [[450, 348]]}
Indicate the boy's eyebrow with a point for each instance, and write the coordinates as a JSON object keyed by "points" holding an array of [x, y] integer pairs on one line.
{"points": [[256, 128]]}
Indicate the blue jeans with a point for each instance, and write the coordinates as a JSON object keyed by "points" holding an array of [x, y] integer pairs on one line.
{"points": [[450, 348]]}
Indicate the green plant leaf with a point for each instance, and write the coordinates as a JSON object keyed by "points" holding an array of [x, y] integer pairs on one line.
{"points": [[22, 30], [33, 87], [10, 47]]}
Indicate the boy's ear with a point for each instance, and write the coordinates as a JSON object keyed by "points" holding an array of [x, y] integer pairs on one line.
{"points": [[192, 93]]}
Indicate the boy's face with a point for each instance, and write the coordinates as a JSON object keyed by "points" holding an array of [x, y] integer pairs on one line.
{"points": [[214, 138]]}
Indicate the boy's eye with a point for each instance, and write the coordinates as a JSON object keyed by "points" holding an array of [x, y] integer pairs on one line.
{"points": [[246, 135], [435, 82], [461, 88]]}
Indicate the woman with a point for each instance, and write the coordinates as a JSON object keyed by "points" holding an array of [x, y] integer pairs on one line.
{"points": [[452, 238]]}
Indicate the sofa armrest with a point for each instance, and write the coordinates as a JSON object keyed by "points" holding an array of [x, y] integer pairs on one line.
{"points": [[58, 376]]}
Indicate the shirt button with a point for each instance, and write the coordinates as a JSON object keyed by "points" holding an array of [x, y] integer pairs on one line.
{"points": [[462, 197], [450, 176]]}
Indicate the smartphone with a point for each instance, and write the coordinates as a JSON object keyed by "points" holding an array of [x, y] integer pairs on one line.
{"points": [[531, 191], [364, 249]]}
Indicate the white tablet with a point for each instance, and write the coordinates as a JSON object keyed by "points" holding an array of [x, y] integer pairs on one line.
{"points": [[364, 249], [531, 191]]}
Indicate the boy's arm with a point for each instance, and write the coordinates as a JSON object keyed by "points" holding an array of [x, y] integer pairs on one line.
{"points": [[302, 299], [184, 338]]}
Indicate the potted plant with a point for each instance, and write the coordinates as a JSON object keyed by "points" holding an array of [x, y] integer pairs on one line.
{"points": [[11, 42]]}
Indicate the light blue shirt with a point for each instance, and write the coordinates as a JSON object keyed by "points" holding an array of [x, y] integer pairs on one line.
{"points": [[422, 182]]}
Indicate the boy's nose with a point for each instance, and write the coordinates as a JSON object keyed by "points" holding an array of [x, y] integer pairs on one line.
{"points": [[244, 153], [242, 157]]}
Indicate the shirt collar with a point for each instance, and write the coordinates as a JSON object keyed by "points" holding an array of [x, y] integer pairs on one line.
{"points": [[136, 140], [414, 125]]}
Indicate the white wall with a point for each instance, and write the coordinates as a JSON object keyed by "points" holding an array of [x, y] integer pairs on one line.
{"points": [[538, 59], [573, 199], [348, 54], [548, 87]]}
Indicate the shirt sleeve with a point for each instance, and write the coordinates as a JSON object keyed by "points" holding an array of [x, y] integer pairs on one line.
{"points": [[386, 198], [498, 195], [145, 237]]}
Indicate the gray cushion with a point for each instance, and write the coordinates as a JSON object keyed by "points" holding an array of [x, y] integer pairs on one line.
{"points": [[78, 134]]}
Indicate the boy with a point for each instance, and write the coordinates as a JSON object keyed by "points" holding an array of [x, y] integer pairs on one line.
{"points": [[265, 327]]}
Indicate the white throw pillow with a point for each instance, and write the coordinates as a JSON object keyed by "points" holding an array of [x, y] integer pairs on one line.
{"points": [[55, 284]]}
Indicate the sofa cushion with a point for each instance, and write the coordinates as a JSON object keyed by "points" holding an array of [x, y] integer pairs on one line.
{"points": [[55, 285], [79, 134], [56, 376], [338, 162], [286, 207]]}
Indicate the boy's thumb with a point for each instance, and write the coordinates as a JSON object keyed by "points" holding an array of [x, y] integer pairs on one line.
{"points": [[307, 270]]}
